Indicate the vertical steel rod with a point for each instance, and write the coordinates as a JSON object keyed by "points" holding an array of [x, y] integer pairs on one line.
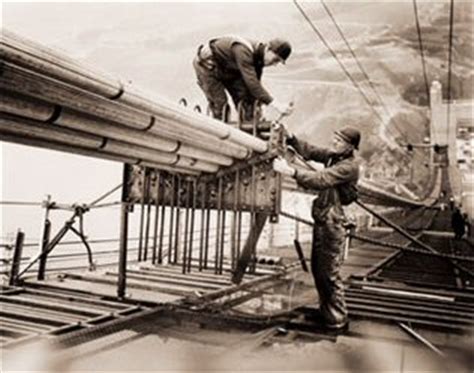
{"points": [[222, 242], [148, 214], [162, 226], [122, 266], [218, 225], [186, 229], [233, 230], [178, 218], [201, 237], [206, 241], [239, 226], [17, 253], [157, 217], [193, 212], [45, 237], [173, 199], [142, 217], [252, 266]]}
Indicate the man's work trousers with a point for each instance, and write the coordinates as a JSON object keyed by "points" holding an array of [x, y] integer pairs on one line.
{"points": [[326, 261], [214, 86]]}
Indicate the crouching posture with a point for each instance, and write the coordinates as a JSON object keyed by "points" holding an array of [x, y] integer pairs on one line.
{"points": [[336, 183], [235, 65]]}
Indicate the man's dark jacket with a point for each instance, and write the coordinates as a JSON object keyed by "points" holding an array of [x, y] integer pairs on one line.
{"points": [[334, 182], [235, 60]]}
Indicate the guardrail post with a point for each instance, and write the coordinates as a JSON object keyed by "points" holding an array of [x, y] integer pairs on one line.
{"points": [[20, 238]]}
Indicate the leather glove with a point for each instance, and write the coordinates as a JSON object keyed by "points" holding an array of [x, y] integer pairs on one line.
{"points": [[281, 165]]}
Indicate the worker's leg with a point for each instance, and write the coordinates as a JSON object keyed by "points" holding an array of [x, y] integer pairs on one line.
{"points": [[316, 249], [212, 88], [327, 258], [240, 93]]}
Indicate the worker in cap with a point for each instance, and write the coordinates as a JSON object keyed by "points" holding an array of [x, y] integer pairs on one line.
{"points": [[235, 65], [336, 184]]}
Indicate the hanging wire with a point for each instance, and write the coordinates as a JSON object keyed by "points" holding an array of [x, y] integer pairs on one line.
{"points": [[450, 57], [344, 69], [422, 53], [361, 68], [346, 72], [105, 195]]}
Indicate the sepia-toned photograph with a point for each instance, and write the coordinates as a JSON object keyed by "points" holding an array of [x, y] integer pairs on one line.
{"points": [[237, 186]]}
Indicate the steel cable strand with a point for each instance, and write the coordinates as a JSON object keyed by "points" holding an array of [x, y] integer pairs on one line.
{"points": [[361, 68], [346, 72]]}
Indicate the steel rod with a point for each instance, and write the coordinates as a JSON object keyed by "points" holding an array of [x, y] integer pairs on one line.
{"points": [[45, 237], [178, 221], [222, 243], [142, 215], [17, 253], [202, 226], [252, 264], [173, 202], [218, 225], [193, 213], [206, 241], [162, 227], [157, 210], [186, 228], [148, 215]]}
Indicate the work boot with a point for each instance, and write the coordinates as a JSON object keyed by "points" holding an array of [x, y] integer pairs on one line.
{"points": [[340, 327], [317, 318]]}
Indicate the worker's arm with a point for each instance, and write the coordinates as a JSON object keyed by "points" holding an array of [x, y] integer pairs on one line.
{"points": [[244, 59], [340, 173], [308, 151]]}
